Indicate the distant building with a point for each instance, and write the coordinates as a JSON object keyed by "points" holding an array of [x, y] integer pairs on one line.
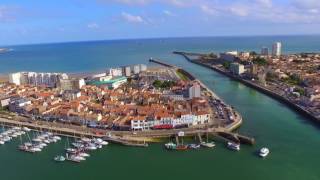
{"points": [[245, 54], [227, 57], [15, 78], [276, 49], [237, 68], [264, 51], [136, 69], [33, 78], [126, 71], [114, 82], [194, 91], [115, 72], [143, 67], [71, 84]]}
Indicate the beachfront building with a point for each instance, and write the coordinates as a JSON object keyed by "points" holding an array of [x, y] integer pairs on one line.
{"points": [[126, 71], [276, 49], [264, 51], [115, 72], [34, 78]]}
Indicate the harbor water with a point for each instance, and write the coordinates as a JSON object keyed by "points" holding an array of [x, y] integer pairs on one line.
{"points": [[293, 140]]}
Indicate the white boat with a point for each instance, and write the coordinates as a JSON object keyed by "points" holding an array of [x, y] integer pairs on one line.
{"points": [[36, 140], [16, 128], [80, 158], [208, 144], [14, 135], [87, 140], [83, 154], [26, 129], [42, 145], [46, 141], [233, 146], [100, 141], [264, 152], [71, 150], [72, 158], [56, 137], [59, 158], [28, 144], [6, 138], [2, 142], [91, 147], [36, 149], [78, 145]]}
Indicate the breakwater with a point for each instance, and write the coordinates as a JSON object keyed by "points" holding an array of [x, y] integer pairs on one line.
{"points": [[253, 85]]}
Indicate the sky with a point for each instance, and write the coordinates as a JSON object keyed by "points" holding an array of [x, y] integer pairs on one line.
{"points": [[42, 21]]}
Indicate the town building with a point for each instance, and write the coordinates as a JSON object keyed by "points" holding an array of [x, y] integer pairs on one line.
{"points": [[126, 71], [136, 69], [237, 68], [276, 49], [71, 84], [265, 51], [34, 78], [115, 72], [194, 91]]}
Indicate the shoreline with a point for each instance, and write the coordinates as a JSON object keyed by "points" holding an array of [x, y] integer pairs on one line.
{"points": [[257, 87]]}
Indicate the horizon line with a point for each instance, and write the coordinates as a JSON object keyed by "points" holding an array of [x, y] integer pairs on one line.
{"points": [[151, 38]]}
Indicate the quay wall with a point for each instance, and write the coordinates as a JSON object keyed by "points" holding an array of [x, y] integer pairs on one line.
{"points": [[259, 88]]}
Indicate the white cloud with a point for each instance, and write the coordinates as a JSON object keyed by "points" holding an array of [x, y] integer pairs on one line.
{"points": [[132, 18], [239, 10], [93, 26], [6, 13], [265, 3], [168, 13], [208, 10]]}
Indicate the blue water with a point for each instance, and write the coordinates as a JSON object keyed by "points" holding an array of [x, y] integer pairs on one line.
{"points": [[99, 55]]}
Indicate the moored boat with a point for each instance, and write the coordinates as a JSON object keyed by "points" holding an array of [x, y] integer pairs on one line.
{"points": [[233, 146], [59, 158], [181, 147], [170, 146], [264, 152], [208, 144], [194, 146]]}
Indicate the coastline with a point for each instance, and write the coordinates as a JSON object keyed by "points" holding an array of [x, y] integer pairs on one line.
{"points": [[255, 86]]}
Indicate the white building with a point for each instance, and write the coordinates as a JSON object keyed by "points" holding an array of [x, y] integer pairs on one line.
{"points": [[136, 69], [237, 68], [141, 123], [276, 49], [143, 67], [194, 91], [15, 78], [33, 78], [115, 72], [126, 71]]}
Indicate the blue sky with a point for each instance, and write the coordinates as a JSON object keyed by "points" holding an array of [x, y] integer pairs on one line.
{"points": [[39, 21]]}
